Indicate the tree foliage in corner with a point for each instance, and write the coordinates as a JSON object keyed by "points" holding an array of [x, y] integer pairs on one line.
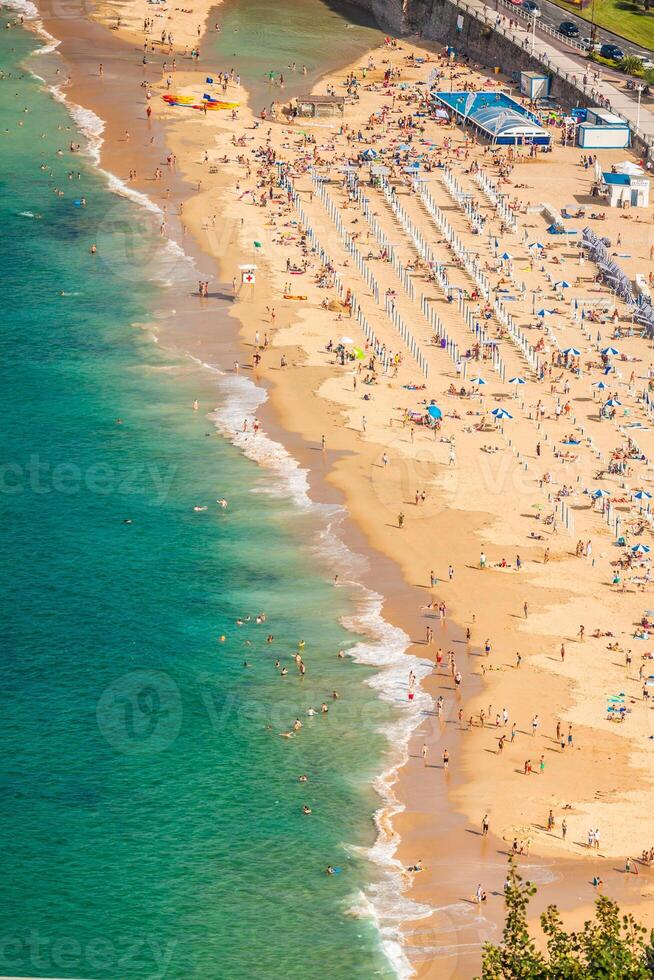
{"points": [[611, 946]]}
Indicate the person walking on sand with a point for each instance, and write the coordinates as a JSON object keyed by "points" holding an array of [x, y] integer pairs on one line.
{"points": [[484, 826], [400, 520], [446, 759], [525, 609], [424, 753], [564, 828]]}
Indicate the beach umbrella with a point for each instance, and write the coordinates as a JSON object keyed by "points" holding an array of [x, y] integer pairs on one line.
{"points": [[562, 284], [478, 381], [501, 413], [358, 353], [613, 402], [346, 340], [641, 549], [545, 313], [536, 245], [571, 352], [517, 381], [598, 384], [506, 256], [598, 494], [642, 495], [610, 351], [435, 412]]}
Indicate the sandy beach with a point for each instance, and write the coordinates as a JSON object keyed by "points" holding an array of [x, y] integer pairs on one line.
{"points": [[526, 602]]}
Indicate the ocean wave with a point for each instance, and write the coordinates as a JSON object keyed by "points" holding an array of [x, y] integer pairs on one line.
{"points": [[175, 264], [383, 646], [23, 7], [28, 11], [242, 399]]}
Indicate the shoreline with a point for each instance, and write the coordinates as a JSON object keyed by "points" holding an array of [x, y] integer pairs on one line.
{"points": [[96, 129], [300, 436]]}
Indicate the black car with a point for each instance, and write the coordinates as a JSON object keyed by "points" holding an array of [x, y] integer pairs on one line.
{"points": [[611, 51], [569, 29]]}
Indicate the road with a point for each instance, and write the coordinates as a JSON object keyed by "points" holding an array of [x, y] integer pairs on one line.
{"points": [[553, 15]]}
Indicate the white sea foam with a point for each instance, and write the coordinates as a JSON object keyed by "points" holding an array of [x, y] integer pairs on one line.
{"points": [[28, 11], [242, 399], [383, 646], [23, 7]]}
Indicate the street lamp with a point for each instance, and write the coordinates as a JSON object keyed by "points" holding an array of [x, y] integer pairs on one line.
{"points": [[640, 89], [533, 31]]}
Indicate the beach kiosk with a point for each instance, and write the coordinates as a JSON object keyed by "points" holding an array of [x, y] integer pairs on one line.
{"points": [[625, 189], [609, 137], [320, 106], [603, 130], [534, 84]]}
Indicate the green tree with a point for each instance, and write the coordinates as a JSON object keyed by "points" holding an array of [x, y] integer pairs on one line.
{"points": [[516, 956], [610, 946], [631, 65]]}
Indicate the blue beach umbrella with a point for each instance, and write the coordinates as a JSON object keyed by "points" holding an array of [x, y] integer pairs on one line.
{"points": [[610, 351], [501, 413], [478, 381], [506, 256], [598, 494], [598, 384], [435, 412], [642, 495], [543, 313], [517, 381], [562, 284], [536, 245], [641, 549], [571, 352], [613, 402]]}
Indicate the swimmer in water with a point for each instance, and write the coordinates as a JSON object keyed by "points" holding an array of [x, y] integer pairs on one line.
{"points": [[306, 809], [222, 502], [270, 638], [302, 778], [199, 509]]}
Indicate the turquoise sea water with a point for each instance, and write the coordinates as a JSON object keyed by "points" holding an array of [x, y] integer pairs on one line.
{"points": [[259, 37], [151, 815]]}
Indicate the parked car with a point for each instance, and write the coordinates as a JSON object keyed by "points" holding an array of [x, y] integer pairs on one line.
{"points": [[568, 28], [531, 7], [647, 65], [611, 51]]}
